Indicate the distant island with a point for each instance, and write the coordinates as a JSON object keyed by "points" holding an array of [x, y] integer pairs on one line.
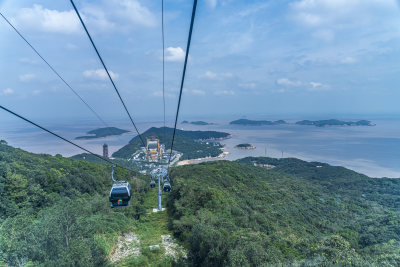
{"points": [[256, 123], [332, 122], [197, 122], [102, 132], [318, 123], [245, 146]]}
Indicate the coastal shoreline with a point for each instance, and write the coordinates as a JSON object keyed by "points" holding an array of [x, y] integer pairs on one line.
{"points": [[200, 160]]}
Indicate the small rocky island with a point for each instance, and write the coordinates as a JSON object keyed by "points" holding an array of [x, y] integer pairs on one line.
{"points": [[245, 146], [102, 132], [333, 122], [256, 122], [197, 122]]}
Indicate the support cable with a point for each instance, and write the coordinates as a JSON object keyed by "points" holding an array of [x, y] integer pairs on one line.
{"points": [[55, 72], [183, 77], [105, 68], [62, 138], [163, 62]]}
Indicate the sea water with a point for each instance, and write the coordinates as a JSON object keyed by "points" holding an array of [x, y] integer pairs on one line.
{"points": [[374, 151]]}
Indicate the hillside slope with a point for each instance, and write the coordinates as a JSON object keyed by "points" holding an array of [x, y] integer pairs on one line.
{"points": [[233, 214], [54, 211]]}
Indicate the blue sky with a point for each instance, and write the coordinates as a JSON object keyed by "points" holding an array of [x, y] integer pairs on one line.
{"points": [[248, 58]]}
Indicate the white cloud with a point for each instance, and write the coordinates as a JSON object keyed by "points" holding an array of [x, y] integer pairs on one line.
{"points": [[210, 75], [27, 77], [317, 86], [8, 91], [174, 54], [253, 9], [36, 92], [290, 84], [287, 82], [99, 74], [241, 42], [95, 15], [279, 91], [193, 92], [216, 76], [27, 60], [157, 93], [324, 35], [348, 60], [48, 20], [328, 18], [224, 92], [212, 3], [119, 14], [197, 92], [135, 12], [71, 46], [247, 85], [160, 94], [105, 15], [339, 12]]}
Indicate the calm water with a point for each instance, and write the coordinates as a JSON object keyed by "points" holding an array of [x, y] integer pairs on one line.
{"points": [[374, 151]]}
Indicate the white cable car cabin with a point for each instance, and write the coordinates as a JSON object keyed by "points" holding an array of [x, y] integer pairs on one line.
{"points": [[120, 194], [167, 186]]}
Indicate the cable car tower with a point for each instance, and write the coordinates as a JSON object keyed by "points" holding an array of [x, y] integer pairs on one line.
{"points": [[158, 175]]}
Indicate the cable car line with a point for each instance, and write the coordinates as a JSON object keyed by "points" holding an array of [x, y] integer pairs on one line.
{"points": [[62, 138], [121, 192], [163, 61], [105, 68], [183, 76], [51, 67]]}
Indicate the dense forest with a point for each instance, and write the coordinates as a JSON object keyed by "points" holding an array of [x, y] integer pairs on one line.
{"points": [[190, 143], [54, 211], [118, 161], [296, 214]]}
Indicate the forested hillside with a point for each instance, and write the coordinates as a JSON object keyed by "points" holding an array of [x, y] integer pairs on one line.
{"points": [[232, 214], [54, 211], [186, 142]]}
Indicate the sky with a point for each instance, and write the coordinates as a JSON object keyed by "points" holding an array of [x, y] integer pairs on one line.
{"points": [[248, 58]]}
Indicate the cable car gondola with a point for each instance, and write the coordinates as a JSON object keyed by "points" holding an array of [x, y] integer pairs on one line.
{"points": [[120, 194], [153, 184], [167, 186]]}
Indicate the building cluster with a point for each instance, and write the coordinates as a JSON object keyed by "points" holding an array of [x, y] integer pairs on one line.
{"points": [[267, 166], [154, 151]]}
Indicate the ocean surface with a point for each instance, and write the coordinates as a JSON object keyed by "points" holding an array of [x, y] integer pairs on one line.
{"points": [[374, 151]]}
